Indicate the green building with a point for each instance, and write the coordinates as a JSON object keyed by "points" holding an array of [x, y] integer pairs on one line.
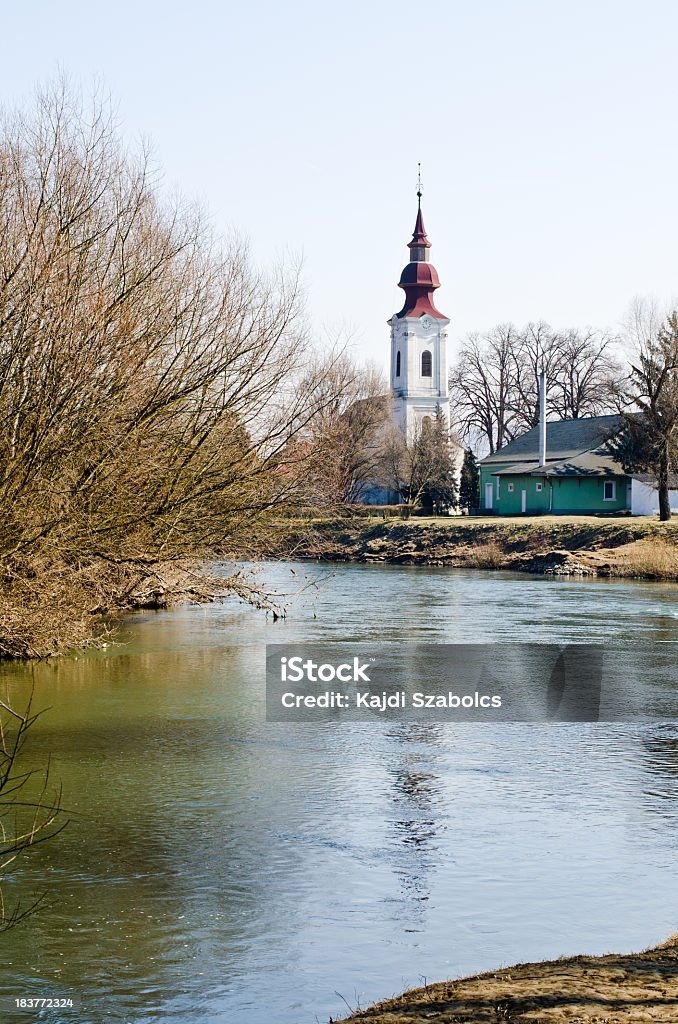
{"points": [[578, 476]]}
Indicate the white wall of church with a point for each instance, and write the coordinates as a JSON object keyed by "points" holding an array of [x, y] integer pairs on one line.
{"points": [[415, 395]]}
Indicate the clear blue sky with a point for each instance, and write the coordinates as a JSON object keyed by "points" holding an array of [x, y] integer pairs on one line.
{"points": [[546, 132]]}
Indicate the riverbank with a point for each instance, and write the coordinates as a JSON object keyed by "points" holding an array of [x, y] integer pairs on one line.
{"points": [[48, 609], [618, 988], [569, 546], [53, 609]]}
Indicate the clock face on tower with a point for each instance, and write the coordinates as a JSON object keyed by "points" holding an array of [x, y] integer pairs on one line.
{"points": [[426, 323]]}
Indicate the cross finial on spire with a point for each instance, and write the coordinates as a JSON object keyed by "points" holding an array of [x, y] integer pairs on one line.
{"points": [[419, 185]]}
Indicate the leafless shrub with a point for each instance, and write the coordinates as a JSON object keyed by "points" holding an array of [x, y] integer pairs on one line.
{"points": [[29, 806], [487, 555]]}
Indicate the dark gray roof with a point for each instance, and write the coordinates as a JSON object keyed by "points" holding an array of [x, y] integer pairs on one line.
{"points": [[596, 463], [517, 469], [564, 440]]}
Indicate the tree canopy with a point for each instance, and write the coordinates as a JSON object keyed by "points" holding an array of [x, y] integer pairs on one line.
{"points": [[494, 383]]}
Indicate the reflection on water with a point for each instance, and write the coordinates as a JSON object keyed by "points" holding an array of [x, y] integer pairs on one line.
{"points": [[219, 869], [660, 760], [418, 808]]}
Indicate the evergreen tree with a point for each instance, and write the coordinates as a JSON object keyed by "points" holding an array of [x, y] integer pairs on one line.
{"points": [[469, 482], [422, 470], [440, 491], [648, 441]]}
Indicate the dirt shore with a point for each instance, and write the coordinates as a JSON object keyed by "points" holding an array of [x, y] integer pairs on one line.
{"points": [[567, 546], [634, 988]]}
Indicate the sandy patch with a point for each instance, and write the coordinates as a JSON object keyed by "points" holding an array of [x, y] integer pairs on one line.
{"points": [[616, 989]]}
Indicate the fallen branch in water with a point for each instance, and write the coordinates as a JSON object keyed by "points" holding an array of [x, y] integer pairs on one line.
{"points": [[29, 806]]}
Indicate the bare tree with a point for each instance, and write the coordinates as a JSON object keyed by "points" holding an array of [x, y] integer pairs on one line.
{"points": [[481, 384], [643, 320], [343, 451], [494, 386], [586, 381], [535, 348], [649, 440], [149, 378]]}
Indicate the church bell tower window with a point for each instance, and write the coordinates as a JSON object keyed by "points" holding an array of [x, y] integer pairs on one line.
{"points": [[426, 364]]}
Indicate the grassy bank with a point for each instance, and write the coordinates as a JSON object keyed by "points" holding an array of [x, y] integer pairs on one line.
{"points": [[617, 989], [584, 546]]}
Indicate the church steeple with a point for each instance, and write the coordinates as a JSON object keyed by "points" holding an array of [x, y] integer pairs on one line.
{"points": [[419, 341], [419, 279], [420, 244], [419, 238]]}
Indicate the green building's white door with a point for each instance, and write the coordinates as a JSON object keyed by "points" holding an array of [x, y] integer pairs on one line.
{"points": [[523, 501], [488, 495]]}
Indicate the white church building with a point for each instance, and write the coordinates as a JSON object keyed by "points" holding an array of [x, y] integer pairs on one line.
{"points": [[418, 375], [418, 341]]}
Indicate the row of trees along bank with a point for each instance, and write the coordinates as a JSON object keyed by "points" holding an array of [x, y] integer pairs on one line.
{"points": [[153, 383]]}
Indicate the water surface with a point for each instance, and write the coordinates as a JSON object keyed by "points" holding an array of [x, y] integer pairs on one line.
{"points": [[219, 869]]}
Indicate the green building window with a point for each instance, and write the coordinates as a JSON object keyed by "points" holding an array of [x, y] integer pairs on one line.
{"points": [[609, 490]]}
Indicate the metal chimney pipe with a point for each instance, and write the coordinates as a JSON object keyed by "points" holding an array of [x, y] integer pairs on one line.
{"points": [[542, 418]]}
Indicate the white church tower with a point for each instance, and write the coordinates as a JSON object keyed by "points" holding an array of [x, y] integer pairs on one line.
{"points": [[418, 341]]}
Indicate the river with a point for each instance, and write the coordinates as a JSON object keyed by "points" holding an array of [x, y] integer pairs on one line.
{"points": [[219, 869]]}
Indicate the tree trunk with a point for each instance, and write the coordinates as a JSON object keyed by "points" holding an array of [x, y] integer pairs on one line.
{"points": [[663, 485]]}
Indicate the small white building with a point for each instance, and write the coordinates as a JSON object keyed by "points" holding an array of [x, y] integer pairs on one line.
{"points": [[645, 497]]}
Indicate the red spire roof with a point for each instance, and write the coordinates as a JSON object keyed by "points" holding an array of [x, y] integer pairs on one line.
{"points": [[419, 279], [419, 237]]}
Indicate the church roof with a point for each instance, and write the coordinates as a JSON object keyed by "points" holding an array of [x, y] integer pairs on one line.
{"points": [[419, 278]]}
